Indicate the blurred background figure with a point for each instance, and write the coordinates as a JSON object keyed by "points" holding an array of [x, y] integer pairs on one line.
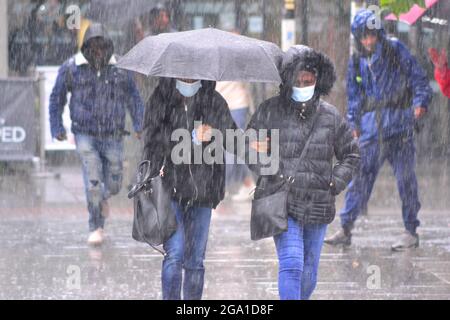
{"points": [[50, 11], [53, 41], [152, 23], [441, 72], [239, 180], [157, 21]]}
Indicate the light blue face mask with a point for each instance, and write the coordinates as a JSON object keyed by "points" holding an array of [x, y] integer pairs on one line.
{"points": [[188, 89], [303, 94]]}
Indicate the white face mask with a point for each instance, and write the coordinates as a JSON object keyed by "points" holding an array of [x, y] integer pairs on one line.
{"points": [[188, 89], [303, 94]]}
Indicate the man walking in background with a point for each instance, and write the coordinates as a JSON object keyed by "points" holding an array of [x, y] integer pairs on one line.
{"points": [[100, 95], [388, 92]]}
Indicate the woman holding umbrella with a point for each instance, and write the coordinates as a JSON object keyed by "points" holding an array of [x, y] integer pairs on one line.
{"points": [[196, 188], [311, 133], [195, 109]]}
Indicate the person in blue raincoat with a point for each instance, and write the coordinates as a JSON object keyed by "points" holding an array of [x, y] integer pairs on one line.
{"points": [[388, 91]]}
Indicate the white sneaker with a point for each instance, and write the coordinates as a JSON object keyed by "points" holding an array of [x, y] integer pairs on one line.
{"points": [[245, 194], [96, 237]]}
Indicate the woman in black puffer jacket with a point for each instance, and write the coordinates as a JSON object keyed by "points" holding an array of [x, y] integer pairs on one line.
{"points": [[317, 179]]}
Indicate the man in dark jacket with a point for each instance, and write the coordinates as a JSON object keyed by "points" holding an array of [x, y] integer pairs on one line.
{"points": [[298, 113], [387, 91], [100, 95]]}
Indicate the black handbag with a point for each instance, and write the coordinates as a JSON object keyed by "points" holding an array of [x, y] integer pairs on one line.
{"points": [[269, 216], [154, 218]]}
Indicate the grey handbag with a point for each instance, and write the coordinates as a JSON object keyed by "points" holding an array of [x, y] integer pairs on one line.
{"points": [[269, 214], [154, 218]]}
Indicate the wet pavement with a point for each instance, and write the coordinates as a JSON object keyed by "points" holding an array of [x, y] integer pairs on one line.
{"points": [[43, 251]]}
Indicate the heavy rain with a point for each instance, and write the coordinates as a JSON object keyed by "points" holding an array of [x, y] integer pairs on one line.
{"points": [[101, 199]]}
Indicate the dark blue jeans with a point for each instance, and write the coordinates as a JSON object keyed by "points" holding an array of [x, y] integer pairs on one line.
{"points": [[299, 252], [186, 250], [102, 160], [400, 152]]}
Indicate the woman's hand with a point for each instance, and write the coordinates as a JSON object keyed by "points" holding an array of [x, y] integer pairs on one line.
{"points": [[204, 133], [260, 146]]}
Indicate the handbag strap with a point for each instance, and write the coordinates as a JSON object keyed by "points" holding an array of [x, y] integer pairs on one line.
{"points": [[291, 179]]}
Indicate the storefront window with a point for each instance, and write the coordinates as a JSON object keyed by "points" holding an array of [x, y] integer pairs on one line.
{"points": [[38, 34]]}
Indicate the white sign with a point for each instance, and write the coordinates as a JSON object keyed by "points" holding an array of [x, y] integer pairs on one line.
{"points": [[438, 21], [12, 135], [198, 22], [50, 74], [287, 34], [256, 24]]}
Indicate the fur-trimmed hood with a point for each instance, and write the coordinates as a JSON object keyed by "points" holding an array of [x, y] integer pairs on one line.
{"points": [[301, 57], [166, 97], [166, 112]]}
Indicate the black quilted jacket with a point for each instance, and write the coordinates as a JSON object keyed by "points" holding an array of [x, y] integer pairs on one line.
{"points": [[331, 158]]}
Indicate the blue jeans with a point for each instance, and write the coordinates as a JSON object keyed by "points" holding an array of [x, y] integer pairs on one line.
{"points": [[186, 250], [298, 252], [401, 154], [102, 160]]}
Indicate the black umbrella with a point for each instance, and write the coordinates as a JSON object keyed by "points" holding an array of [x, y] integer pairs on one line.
{"points": [[206, 54], [119, 12]]}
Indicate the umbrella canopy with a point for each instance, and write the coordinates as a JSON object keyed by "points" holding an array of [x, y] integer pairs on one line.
{"points": [[205, 54], [414, 13], [118, 12]]}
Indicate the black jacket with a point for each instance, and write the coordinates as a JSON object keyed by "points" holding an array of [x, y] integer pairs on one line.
{"points": [[318, 179], [200, 185]]}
